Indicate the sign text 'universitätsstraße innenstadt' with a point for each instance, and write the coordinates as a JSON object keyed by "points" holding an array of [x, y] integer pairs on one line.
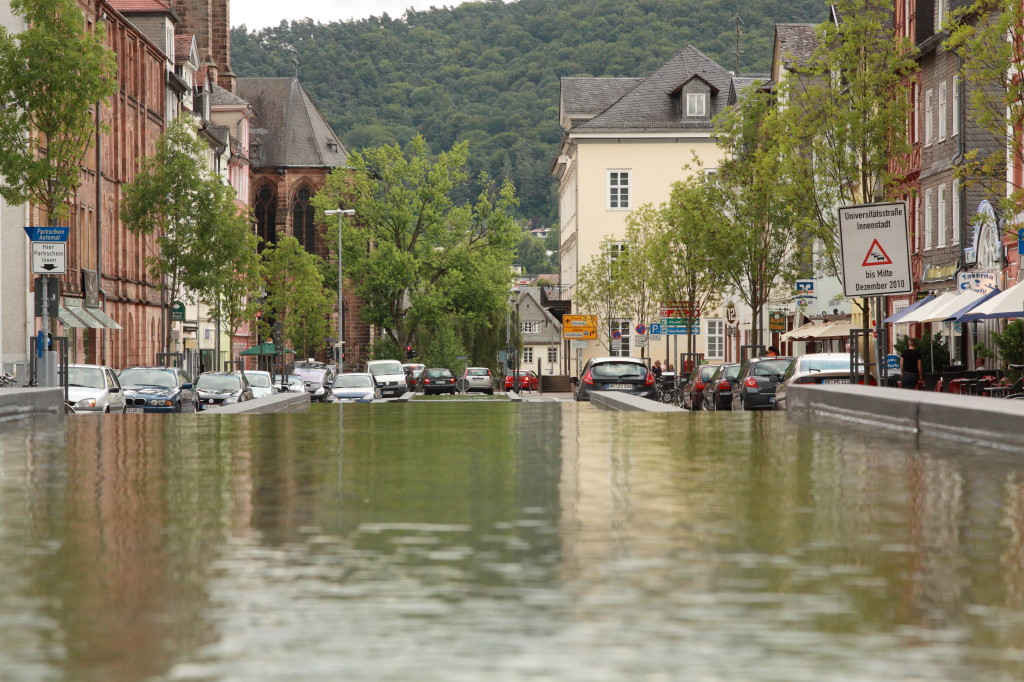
{"points": [[875, 249]]}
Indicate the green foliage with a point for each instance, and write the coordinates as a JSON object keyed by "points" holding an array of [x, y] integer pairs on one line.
{"points": [[532, 255], [385, 348], [929, 347], [296, 296], [444, 348], [596, 292], [51, 76], [488, 72], [1010, 343], [414, 254]]}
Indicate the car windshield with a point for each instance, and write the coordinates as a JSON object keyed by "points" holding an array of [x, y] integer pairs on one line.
{"points": [[353, 381], [258, 380], [732, 371], [825, 364], [476, 372], [162, 378], [294, 380], [618, 370], [311, 374], [219, 382], [705, 372], [86, 377], [438, 373], [770, 367], [383, 369]]}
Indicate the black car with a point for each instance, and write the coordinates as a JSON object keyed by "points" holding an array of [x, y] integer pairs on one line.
{"points": [[214, 389], [626, 375], [437, 380], [414, 378], [694, 385], [157, 389], [718, 390], [758, 378]]}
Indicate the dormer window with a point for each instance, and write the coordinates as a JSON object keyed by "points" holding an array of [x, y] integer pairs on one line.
{"points": [[696, 104], [332, 146]]}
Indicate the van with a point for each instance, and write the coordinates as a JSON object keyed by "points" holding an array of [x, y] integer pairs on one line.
{"points": [[389, 377]]}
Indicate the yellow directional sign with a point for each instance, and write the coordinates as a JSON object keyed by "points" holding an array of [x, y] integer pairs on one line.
{"points": [[579, 327]]}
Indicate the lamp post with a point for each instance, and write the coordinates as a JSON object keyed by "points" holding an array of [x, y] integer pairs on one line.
{"points": [[341, 327]]}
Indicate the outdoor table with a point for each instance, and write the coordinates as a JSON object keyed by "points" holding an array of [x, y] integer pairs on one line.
{"points": [[997, 391]]}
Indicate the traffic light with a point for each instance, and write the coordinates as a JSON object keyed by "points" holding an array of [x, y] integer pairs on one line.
{"points": [[408, 353]]}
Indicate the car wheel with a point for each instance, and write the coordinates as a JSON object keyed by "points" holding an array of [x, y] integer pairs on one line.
{"points": [[177, 408], [490, 392]]}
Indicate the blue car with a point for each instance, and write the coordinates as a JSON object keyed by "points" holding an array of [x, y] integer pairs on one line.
{"points": [[157, 389]]}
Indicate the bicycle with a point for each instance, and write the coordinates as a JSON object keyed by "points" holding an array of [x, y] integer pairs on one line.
{"points": [[6, 380]]}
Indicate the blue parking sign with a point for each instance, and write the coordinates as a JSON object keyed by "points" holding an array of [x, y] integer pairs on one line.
{"points": [[654, 328]]}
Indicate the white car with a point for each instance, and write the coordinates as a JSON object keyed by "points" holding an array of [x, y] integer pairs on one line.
{"points": [[389, 377], [478, 379], [94, 388], [358, 387], [259, 382], [289, 383]]}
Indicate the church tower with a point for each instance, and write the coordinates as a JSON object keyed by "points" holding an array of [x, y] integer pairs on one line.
{"points": [[210, 22]]}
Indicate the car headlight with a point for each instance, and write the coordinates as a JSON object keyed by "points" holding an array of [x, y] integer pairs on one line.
{"points": [[231, 399], [86, 402], [161, 402], [319, 391]]}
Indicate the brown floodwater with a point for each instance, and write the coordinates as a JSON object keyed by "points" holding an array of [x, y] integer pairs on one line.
{"points": [[497, 541]]}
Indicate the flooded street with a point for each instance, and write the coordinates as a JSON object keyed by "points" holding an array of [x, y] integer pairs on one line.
{"points": [[499, 541]]}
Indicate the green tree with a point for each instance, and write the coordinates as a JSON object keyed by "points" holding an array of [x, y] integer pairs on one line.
{"points": [[596, 292], [200, 231], [416, 256], [296, 297], [987, 35], [444, 349], [634, 275], [532, 255], [234, 297], [52, 75]]}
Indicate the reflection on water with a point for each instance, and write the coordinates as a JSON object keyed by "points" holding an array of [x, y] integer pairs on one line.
{"points": [[496, 541]]}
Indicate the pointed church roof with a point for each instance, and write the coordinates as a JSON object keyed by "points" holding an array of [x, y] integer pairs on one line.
{"points": [[288, 129], [650, 104]]}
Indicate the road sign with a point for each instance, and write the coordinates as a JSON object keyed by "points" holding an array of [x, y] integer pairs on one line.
{"points": [[589, 334], [579, 327], [616, 344], [575, 343], [654, 329], [49, 258], [177, 311], [616, 335], [892, 362], [47, 234], [640, 341], [875, 253], [641, 329]]}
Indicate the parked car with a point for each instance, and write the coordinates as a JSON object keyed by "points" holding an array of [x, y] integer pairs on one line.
{"points": [[627, 375], [289, 383], [478, 379], [214, 389], [438, 380], [413, 367], [413, 378], [755, 386], [522, 380], [816, 368], [694, 385], [259, 382], [94, 388], [157, 389], [355, 387], [718, 389], [317, 379], [389, 377]]}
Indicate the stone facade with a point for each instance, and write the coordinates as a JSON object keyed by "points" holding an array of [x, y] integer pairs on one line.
{"points": [[210, 22]]}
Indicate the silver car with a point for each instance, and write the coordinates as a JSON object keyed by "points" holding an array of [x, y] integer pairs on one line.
{"points": [[478, 379], [816, 368], [259, 382], [94, 388]]}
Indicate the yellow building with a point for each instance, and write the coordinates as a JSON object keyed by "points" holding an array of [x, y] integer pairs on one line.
{"points": [[626, 140]]}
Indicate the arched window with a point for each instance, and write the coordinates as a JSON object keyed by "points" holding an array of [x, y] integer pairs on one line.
{"points": [[266, 216], [302, 220]]}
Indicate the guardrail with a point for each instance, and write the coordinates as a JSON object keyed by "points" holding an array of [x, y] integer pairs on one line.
{"points": [[31, 402]]}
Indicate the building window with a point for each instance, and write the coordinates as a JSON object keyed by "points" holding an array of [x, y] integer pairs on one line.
{"points": [[302, 220], [927, 219], [618, 189], [527, 355], [552, 354], [915, 245], [915, 107], [941, 241], [265, 211], [942, 111], [529, 327], [623, 327], [906, 18], [956, 105], [956, 213], [696, 104], [929, 117], [716, 338]]}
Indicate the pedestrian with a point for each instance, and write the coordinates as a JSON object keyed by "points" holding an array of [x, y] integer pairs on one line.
{"points": [[773, 352], [979, 362], [656, 369], [911, 365]]}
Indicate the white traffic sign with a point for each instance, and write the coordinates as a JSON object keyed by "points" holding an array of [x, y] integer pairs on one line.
{"points": [[640, 341], [577, 344], [49, 258], [875, 249]]}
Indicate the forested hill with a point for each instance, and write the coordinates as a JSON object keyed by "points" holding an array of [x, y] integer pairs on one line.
{"points": [[489, 71]]}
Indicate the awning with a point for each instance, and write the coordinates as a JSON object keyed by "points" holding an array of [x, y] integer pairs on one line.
{"points": [[800, 332], [1009, 303], [967, 314], [838, 329], [897, 317], [266, 348], [69, 320], [923, 313], [105, 319], [953, 305]]}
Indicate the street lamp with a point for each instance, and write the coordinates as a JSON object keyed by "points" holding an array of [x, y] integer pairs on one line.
{"points": [[341, 327]]}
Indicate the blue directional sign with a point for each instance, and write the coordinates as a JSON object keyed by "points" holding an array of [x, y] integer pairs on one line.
{"points": [[47, 234], [1020, 240], [892, 362]]}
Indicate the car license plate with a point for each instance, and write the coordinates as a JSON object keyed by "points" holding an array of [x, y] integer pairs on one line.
{"points": [[133, 410], [835, 381], [771, 400], [620, 387]]}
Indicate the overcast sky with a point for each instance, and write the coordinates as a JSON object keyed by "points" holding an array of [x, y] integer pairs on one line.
{"points": [[262, 13]]}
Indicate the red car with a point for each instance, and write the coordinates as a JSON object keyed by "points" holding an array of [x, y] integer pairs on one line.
{"points": [[527, 381]]}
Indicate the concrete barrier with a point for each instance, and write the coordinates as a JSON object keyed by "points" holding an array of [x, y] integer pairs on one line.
{"points": [[928, 417], [278, 402], [30, 402], [626, 402]]}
